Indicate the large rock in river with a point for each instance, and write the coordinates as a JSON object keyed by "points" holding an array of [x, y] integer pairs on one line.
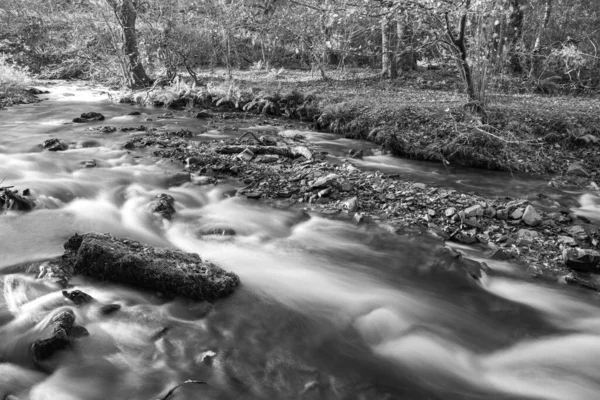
{"points": [[105, 257]]}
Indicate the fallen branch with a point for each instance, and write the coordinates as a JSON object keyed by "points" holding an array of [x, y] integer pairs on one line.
{"points": [[170, 392], [504, 140], [280, 151], [252, 134]]}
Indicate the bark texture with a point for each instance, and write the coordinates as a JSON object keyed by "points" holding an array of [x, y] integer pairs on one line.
{"points": [[105, 257]]}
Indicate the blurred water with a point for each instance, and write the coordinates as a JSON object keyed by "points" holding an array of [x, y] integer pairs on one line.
{"points": [[326, 310]]}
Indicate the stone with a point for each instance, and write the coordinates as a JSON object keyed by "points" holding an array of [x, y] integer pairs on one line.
{"points": [[109, 309], [450, 211], [64, 331], [421, 186], [89, 117], [55, 145], [246, 155], [501, 255], [204, 180], [193, 161], [517, 213], [88, 163], [527, 233], [577, 231], [577, 169], [567, 240], [163, 206], [324, 181], [346, 187], [489, 212], [582, 260], [132, 113], [350, 205], [78, 297], [302, 151], [531, 216], [203, 114], [474, 211], [502, 214], [178, 178]]}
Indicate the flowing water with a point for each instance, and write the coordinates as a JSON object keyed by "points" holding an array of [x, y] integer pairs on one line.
{"points": [[326, 309]]}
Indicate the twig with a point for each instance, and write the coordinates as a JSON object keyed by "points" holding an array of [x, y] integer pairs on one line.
{"points": [[170, 392], [252, 134], [504, 140]]}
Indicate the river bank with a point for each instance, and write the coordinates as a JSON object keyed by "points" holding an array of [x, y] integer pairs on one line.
{"points": [[416, 117]]}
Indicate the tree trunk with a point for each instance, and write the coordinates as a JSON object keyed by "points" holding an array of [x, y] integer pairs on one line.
{"points": [[515, 34], [537, 59], [126, 13], [389, 67]]}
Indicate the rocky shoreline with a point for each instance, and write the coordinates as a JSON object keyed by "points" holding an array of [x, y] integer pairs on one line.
{"points": [[284, 169]]}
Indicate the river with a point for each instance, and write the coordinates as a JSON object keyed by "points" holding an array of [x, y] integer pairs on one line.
{"points": [[326, 309]]}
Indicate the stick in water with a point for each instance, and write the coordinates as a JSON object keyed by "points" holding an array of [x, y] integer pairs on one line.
{"points": [[170, 393]]}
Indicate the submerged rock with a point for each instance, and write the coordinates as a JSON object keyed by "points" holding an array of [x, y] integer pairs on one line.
{"points": [[64, 331], [105, 257], [12, 200], [55, 145], [583, 260], [89, 117], [163, 206]]}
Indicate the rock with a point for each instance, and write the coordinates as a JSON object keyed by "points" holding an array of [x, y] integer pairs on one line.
{"points": [[302, 151], [501, 255], [531, 216], [78, 297], [421, 186], [577, 169], [450, 211], [203, 114], [178, 178], [107, 129], [586, 281], [346, 187], [254, 195], [577, 232], [105, 257], [527, 233], [55, 145], [517, 213], [489, 212], [324, 181], [88, 163], [567, 240], [163, 206], [360, 218], [350, 205], [134, 113], [502, 214], [204, 180], [267, 141], [582, 260], [474, 211], [109, 309], [193, 161], [88, 117], [12, 200], [246, 155], [64, 331]]}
